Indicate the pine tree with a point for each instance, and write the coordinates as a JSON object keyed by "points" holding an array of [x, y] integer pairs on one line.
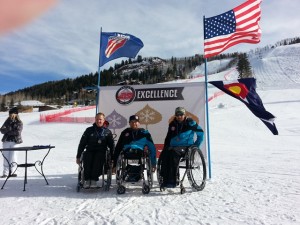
{"points": [[12, 103], [243, 66], [3, 104]]}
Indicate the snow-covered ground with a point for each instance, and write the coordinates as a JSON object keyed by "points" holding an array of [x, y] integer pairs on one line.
{"points": [[274, 68], [255, 175]]}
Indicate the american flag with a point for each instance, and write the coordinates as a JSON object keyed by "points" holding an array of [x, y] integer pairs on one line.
{"points": [[239, 25]]}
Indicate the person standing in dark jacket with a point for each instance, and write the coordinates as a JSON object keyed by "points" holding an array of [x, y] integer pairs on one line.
{"points": [[12, 129], [96, 140], [181, 134]]}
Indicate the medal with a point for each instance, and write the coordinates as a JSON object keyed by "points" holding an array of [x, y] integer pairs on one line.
{"points": [[99, 135]]}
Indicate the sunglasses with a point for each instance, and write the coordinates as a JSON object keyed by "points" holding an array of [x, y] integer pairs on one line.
{"points": [[179, 114]]}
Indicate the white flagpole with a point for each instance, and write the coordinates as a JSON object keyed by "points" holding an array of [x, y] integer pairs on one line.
{"points": [[207, 114], [98, 83]]}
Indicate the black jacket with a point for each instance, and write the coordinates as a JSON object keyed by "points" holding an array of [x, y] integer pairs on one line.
{"points": [[96, 139], [12, 131]]}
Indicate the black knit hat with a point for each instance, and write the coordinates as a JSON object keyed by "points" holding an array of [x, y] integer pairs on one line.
{"points": [[13, 110], [134, 117]]}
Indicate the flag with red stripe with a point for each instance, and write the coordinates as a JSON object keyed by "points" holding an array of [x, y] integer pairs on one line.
{"points": [[244, 90], [115, 45], [239, 25]]}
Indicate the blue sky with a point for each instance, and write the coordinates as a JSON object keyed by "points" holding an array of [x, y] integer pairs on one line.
{"points": [[64, 41]]}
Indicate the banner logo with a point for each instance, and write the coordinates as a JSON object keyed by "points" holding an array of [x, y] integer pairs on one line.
{"points": [[114, 43], [126, 94]]}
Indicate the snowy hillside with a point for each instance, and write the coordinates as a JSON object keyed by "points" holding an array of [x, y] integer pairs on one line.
{"points": [[277, 67], [272, 67]]}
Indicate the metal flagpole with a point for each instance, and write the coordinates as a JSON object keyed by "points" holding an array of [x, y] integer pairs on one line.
{"points": [[207, 114], [98, 82]]}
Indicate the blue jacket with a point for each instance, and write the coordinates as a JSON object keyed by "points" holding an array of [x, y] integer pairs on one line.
{"points": [[182, 134], [135, 139]]}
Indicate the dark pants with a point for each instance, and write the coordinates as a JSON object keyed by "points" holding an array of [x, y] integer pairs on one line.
{"points": [[93, 164], [169, 165]]}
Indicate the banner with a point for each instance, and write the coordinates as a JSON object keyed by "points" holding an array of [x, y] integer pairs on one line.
{"points": [[155, 104]]}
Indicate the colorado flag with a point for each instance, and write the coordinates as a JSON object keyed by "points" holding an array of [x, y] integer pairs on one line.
{"points": [[244, 90]]}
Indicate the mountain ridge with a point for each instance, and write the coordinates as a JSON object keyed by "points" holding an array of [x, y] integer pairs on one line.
{"points": [[273, 66]]}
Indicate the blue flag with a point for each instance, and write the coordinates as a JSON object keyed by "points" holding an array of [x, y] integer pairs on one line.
{"points": [[244, 90], [116, 45]]}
